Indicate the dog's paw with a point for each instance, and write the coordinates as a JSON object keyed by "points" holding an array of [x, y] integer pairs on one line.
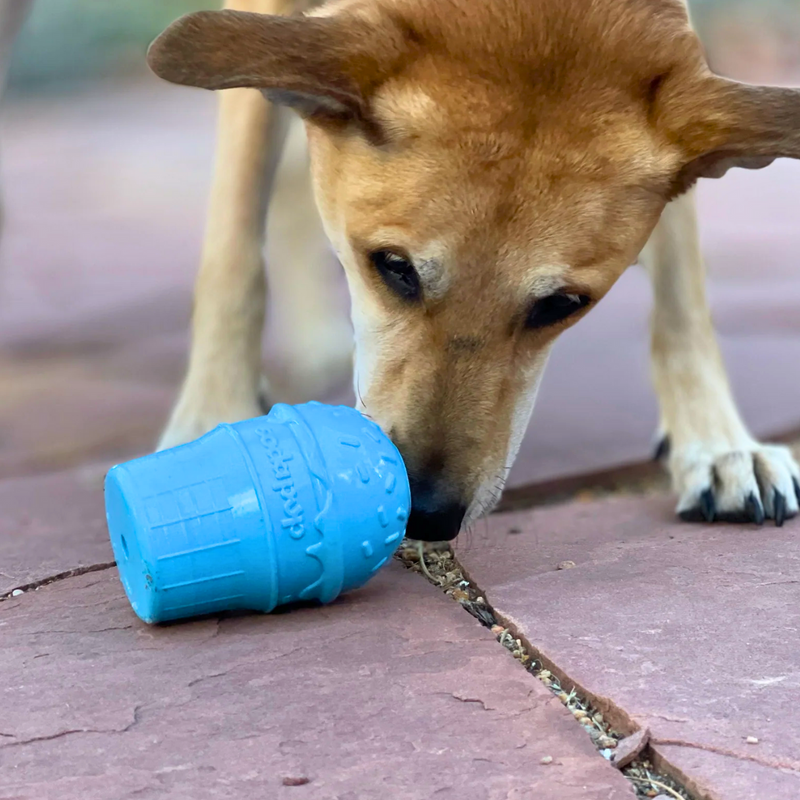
{"points": [[747, 484], [193, 418]]}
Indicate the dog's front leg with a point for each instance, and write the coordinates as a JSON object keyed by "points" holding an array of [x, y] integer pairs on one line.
{"points": [[718, 469], [224, 374]]}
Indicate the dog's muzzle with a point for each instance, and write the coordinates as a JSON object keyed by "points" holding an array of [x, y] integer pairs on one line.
{"points": [[436, 526]]}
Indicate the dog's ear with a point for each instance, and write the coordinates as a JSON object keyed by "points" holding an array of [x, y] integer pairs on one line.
{"points": [[723, 124], [323, 67]]}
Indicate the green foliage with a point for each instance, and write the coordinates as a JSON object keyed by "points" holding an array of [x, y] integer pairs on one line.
{"points": [[66, 41]]}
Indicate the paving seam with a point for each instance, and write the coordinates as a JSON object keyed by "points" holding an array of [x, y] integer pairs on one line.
{"points": [[605, 720], [599, 717], [61, 576]]}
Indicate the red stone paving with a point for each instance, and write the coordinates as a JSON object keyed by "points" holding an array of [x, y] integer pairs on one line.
{"points": [[690, 630], [106, 196], [51, 525], [393, 692]]}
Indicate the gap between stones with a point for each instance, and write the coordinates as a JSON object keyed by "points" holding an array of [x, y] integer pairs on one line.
{"points": [[650, 774], [61, 576]]}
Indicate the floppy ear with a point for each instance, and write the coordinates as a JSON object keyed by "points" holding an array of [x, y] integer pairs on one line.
{"points": [[727, 124], [322, 67]]}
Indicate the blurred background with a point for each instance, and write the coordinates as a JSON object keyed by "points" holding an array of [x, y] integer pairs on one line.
{"points": [[105, 173], [67, 43]]}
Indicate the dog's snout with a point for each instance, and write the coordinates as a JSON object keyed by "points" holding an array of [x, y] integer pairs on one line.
{"points": [[442, 525], [435, 516]]}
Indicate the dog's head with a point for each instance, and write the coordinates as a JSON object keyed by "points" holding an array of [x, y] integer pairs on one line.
{"points": [[486, 169]]}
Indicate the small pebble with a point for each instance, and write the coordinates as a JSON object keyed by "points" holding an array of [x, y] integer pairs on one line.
{"points": [[563, 697], [547, 760], [607, 743], [751, 740], [480, 601], [579, 713], [545, 673], [566, 565], [17, 592], [498, 629], [651, 793], [514, 530], [296, 781], [599, 719]]}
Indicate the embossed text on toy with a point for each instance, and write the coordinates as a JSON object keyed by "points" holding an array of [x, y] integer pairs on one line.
{"points": [[284, 483]]}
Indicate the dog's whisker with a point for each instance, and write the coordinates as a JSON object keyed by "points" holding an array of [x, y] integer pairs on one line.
{"points": [[361, 404], [466, 539]]}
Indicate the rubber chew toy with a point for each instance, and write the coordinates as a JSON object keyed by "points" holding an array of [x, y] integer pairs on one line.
{"points": [[303, 504]]}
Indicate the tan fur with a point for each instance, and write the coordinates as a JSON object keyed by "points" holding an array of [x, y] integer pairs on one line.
{"points": [[709, 443]]}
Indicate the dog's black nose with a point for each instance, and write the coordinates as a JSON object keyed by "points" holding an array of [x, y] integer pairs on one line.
{"points": [[436, 526], [434, 516]]}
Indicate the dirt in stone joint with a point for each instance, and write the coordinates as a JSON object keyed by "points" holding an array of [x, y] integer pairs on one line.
{"points": [[440, 566]]}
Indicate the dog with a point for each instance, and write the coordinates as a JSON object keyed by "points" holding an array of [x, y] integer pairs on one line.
{"points": [[485, 171]]}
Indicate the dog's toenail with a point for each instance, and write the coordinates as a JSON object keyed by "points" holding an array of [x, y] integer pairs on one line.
{"points": [[708, 505], [779, 502]]}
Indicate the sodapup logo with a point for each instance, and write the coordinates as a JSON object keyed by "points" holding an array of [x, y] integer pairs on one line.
{"points": [[284, 484]]}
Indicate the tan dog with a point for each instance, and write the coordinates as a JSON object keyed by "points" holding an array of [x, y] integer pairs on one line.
{"points": [[486, 170]]}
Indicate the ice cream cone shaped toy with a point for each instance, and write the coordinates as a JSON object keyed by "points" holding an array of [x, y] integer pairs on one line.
{"points": [[303, 504]]}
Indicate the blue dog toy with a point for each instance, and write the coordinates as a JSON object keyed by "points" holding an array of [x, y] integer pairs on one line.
{"points": [[303, 504]]}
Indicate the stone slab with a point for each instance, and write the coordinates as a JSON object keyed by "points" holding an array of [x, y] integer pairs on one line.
{"points": [[393, 691], [690, 630], [51, 525]]}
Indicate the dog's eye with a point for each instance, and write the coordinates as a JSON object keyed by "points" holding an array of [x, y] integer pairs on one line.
{"points": [[555, 308], [398, 274]]}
